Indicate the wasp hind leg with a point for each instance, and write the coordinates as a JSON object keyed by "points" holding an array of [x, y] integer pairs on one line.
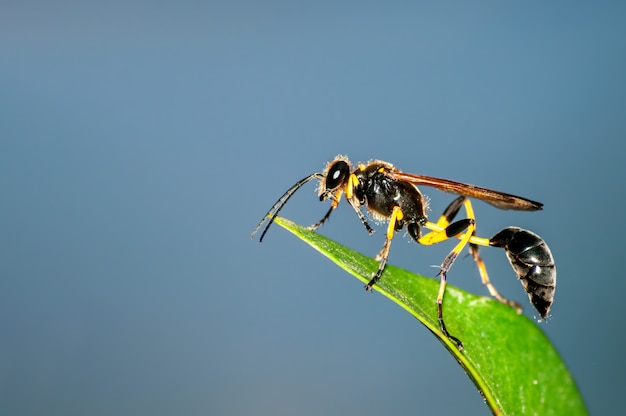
{"points": [[484, 276], [453, 229], [443, 230], [444, 221]]}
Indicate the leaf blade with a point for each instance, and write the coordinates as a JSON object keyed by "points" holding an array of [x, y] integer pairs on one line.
{"points": [[508, 357]]}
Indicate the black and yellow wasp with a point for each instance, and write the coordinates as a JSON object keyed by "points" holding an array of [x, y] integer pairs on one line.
{"points": [[392, 195]]}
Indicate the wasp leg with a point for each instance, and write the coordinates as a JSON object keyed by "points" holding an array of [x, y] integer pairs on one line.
{"points": [[445, 266], [353, 182], [484, 276], [450, 212], [474, 243], [349, 197], [395, 222], [452, 230], [442, 323], [441, 231], [369, 229], [333, 205]]}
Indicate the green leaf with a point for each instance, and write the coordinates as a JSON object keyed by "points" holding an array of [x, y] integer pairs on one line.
{"points": [[508, 357]]}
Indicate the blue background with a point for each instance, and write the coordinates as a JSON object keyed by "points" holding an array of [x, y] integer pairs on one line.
{"points": [[140, 143]]}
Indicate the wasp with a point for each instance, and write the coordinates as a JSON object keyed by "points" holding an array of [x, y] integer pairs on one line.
{"points": [[393, 196]]}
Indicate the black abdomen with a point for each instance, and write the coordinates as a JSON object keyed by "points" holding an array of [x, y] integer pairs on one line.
{"points": [[533, 263]]}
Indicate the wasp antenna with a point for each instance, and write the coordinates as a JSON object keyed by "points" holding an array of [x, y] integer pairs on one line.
{"points": [[278, 205]]}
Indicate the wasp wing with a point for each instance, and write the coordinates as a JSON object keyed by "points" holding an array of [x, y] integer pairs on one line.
{"points": [[498, 199]]}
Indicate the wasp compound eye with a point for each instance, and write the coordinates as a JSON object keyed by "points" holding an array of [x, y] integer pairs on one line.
{"points": [[337, 174]]}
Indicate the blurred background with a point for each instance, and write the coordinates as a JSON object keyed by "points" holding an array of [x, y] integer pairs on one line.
{"points": [[141, 142]]}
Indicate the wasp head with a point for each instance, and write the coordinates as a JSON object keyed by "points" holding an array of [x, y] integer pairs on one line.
{"points": [[336, 176]]}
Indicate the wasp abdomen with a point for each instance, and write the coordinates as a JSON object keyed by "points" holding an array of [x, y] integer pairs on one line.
{"points": [[533, 263]]}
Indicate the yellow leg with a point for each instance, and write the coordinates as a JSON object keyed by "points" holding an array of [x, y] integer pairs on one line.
{"points": [[333, 205], [443, 271], [353, 181], [470, 225], [443, 230], [440, 231], [438, 234], [484, 276], [396, 215]]}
